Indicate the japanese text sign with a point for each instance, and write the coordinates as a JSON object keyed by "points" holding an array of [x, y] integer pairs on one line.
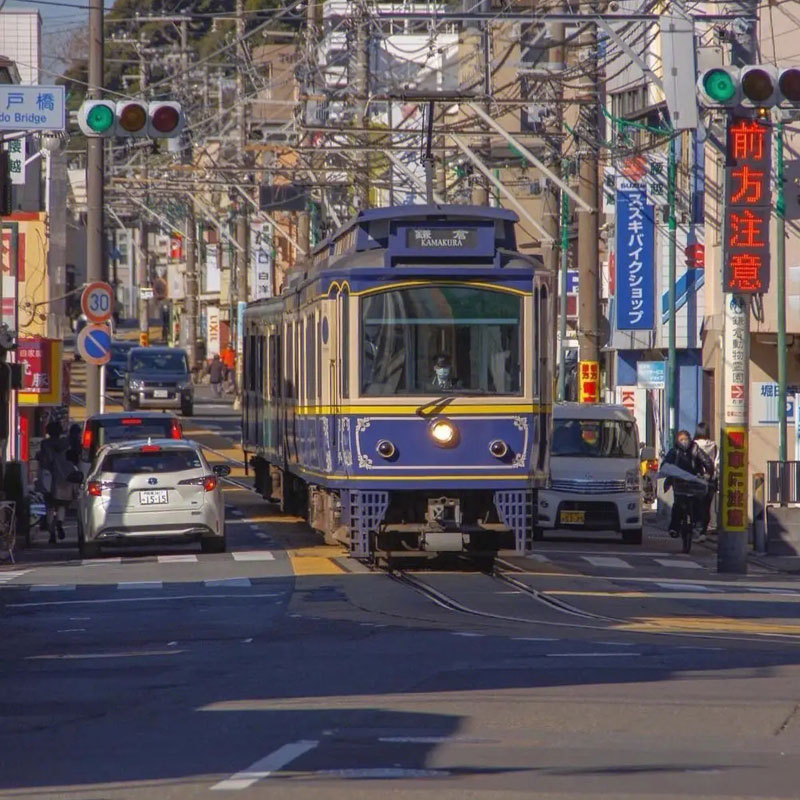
{"points": [[747, 208], [635, 278], [589, 381], [734, 478], [34, 355], [736, 360], [32, 108], [16, 160]]}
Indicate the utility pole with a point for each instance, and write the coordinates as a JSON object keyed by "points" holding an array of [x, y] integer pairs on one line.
{"points": [[672, 383], [482, 52], [191, 288], [95, 268], [362, 91], [144, 228], [588, 231], [242, 227], [780, 232]]}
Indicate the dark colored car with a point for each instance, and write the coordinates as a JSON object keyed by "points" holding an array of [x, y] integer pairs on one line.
{"points": [[101, 429], [117, 366], [158, 377]]}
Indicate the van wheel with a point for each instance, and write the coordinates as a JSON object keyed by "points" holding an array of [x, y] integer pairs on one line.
{"points": [[632, 537], [187, 409]]}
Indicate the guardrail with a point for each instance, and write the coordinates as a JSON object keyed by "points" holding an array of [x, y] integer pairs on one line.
{"points": [[783, 482]]}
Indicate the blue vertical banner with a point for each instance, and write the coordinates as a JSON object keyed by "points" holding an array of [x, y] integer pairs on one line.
{"points": [[635, 282]]}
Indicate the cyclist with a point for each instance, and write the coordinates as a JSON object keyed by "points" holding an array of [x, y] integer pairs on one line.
{"points": [[690, 457]]}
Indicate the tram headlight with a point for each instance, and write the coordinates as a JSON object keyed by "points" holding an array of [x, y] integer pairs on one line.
{"points": [[444, 433], [498, 448], [385, 448]]}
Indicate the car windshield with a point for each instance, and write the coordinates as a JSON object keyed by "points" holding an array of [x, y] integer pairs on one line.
{"points": [[136, 462], [119, 430], [119, 354], [170, 361], [438, 340], [594, 438]]}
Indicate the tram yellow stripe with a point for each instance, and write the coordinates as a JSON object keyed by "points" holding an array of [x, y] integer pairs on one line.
{"points": [[426, 408]]}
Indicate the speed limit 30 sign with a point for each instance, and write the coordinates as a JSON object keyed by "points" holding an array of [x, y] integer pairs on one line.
{"points": [[97, 302]]}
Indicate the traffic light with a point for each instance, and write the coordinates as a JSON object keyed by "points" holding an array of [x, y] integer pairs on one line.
{"points": [[756, 86], [162, 119], [97, 118]]}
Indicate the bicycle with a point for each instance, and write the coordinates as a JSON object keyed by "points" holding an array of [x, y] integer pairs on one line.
{"points": [[8, 529], [688, 499]]}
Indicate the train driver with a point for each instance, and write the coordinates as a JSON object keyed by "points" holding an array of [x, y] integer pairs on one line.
{"points": [[442, 379]]}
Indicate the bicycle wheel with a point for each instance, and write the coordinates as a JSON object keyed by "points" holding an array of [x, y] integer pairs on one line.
{"points": [[686, 534]]}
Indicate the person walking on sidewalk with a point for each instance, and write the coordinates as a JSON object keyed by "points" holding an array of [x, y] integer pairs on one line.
{"points": [[216, 373], [55, 471], [703, 440]]}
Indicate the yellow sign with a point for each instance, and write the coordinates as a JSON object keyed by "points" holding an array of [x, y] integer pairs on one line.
{"points": [[144, 339], [733, 487], [589, 381]]}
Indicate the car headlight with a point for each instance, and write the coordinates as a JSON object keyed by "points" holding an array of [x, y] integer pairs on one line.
{"points": [[444, 433], [136, 384], [633, 480]]}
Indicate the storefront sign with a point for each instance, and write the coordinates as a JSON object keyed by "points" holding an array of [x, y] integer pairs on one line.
{"points": [[635, 266], [260, 278], [589, 381], [212, 276], [635, 400], [212, 331], [16, 160], [734, 482], [651, 374], [42, 373], [747, 208], [735, 360]]}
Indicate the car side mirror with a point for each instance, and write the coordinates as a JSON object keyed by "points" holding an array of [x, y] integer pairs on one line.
{"points": [[648, 453], [221, 470]]}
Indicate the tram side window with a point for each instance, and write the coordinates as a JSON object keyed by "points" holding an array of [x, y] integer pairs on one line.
{"points": [[311, 360], [299, 378], [543, 353], [345, 345], [274, 365], [289, 388]]}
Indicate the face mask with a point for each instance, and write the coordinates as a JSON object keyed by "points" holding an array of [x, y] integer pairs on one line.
{"points": [[442, 373], [684, 444]]}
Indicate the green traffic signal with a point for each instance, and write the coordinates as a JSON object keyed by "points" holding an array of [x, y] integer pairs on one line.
{"points": [[719, 85], [100, 118]]}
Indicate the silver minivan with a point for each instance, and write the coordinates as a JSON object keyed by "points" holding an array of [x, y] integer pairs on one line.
{"points": [[149, 491]]}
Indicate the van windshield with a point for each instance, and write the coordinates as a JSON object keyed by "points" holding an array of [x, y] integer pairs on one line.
{"points": [[594, 438]]}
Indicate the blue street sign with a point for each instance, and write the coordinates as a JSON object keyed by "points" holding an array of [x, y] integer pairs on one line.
{"points": [[32, 108], [635, 262], [94, 344], [651, 374]]}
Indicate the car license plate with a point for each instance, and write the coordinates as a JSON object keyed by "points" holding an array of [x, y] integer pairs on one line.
{"points": [[160, 393], [573, 517], [153, 497]]}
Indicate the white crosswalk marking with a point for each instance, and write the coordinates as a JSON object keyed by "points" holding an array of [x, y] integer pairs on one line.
{"points": [[253, 555], [674, 562], [7, 577], [264, 767], [538, 557], [178, 558], [228, 583], [97, 562], [608, 562], [139, 585]]}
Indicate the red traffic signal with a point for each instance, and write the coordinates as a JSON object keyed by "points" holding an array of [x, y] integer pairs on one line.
{"points": [[165, 119]]}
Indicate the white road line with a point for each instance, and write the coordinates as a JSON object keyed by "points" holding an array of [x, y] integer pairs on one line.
{"points": [[7, 577], [537, 557], [608, 562], [178, 558], [686, 587], [533, 639], [591, 655], [229, 582], [264, 767], [160, 599], [253, 555], [98, 562], [126, 585], [53, 587], [674, 562]]}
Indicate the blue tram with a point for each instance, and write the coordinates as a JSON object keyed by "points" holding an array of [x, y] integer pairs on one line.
{"points": [[398, 393]]}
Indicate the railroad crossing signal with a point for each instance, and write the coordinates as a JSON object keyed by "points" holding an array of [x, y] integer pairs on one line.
{"points": [[162, 119], [756, 86]]}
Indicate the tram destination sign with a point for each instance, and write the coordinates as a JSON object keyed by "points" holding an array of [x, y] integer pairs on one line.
{"points": [[436, 238]]}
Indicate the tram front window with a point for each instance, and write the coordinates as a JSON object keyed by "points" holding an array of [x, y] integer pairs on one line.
{"points": [[436, 340]]}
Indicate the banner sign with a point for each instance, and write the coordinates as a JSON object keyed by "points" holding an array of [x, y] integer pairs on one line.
{"points": [[747, 208], [589, 381], [635, 262], [212, 331], [16, 160], [734, 485], [764, 403], [651, 374], [260, 277], [736, 356], [213, 277]]}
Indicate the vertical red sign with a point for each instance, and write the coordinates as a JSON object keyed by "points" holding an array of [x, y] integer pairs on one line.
{"points": [[747, 207]]}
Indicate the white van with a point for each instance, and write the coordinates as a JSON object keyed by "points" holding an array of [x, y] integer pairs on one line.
{"points": [[595, 475]]}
